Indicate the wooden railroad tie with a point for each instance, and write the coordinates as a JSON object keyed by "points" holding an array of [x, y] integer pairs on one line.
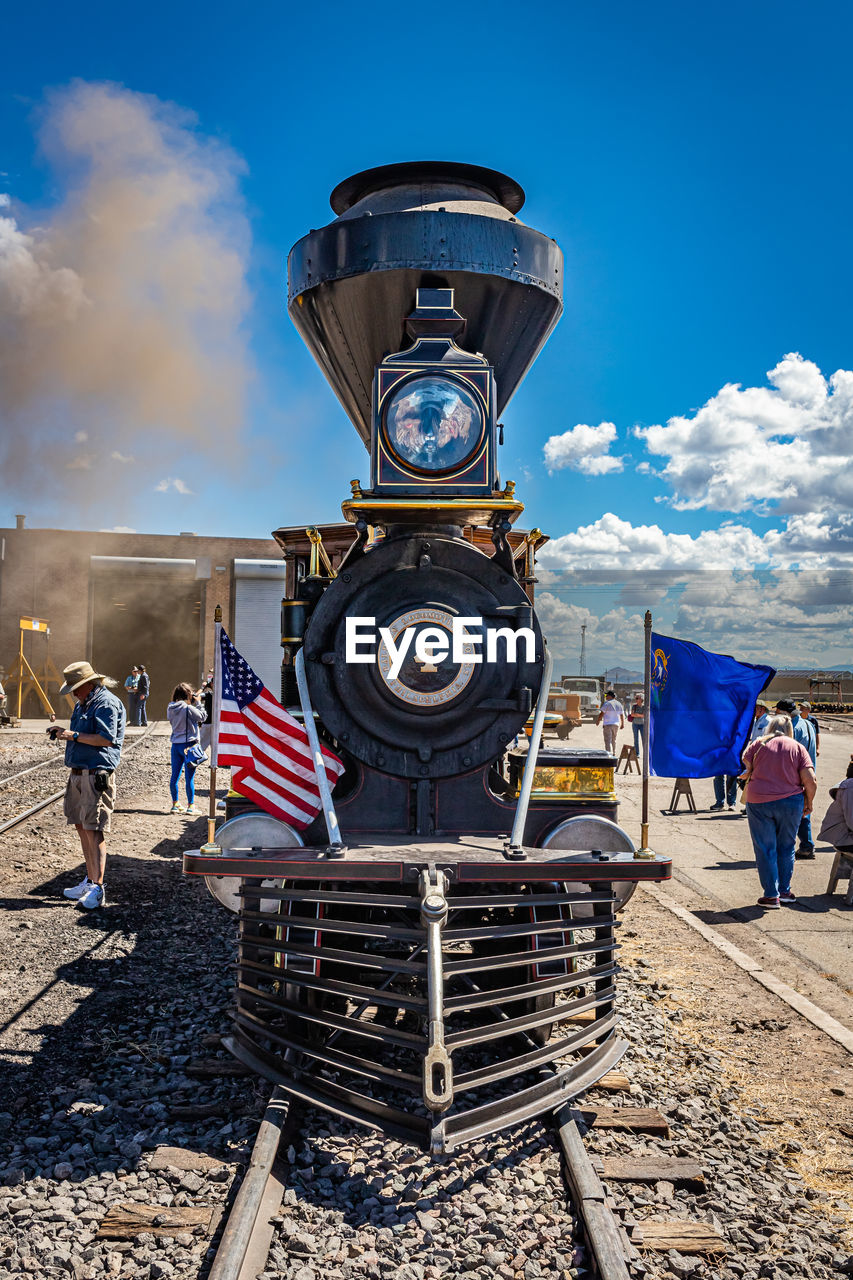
{"points": [[674, 1169], [184, 1160], [686, 1237], [128, 1219], [627, 1119], [613, 1082], [209, 1068]]}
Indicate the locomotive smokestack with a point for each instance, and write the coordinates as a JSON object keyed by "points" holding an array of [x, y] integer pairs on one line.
{"points": [[425, 224]]}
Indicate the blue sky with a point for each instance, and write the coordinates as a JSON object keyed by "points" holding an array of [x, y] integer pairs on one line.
{"points": [[694, 165]]}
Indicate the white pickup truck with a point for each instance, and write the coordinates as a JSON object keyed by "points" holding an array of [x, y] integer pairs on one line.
{"points": [[588, 689]]}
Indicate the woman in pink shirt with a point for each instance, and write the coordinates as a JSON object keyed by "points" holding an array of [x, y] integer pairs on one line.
{"points": [[780, 788]]}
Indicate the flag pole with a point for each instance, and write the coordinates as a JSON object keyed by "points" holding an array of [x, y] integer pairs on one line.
{"points": [[214, 735], [644, 851], [336, 847]]}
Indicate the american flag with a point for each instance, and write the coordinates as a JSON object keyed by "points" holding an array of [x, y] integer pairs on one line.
{"points": [[267, 749]]}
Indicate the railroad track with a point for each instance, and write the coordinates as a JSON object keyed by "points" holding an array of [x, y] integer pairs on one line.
{"points": [[610, 1238], [6, 824], [836, 718]]}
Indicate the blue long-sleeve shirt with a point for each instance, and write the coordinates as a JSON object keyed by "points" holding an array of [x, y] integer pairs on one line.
{"points": [[804, 733]]}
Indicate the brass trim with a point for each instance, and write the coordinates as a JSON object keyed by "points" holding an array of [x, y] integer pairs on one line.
{"points": [[465, 510], [318, 555]]}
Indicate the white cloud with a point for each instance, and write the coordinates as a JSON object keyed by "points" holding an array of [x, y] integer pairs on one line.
{"points": [[613, 543], [782, 447], [121, 457], [118, 528], [80, 463], [583, 448], [5, 200], [617, 630], [80, 437], [729, 589], [172, 483]]}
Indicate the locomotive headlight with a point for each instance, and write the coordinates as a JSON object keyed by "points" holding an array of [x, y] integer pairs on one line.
{"points": [[433, 430], [432, 424]]}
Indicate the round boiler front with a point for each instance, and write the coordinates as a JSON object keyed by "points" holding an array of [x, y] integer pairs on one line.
{"points": [[448, 658]]}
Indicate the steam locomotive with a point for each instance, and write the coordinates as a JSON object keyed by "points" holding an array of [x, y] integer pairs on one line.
{"points": [[434, 957]]}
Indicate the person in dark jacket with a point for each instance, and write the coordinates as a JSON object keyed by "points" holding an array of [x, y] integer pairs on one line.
{"points": [[143, 689]]}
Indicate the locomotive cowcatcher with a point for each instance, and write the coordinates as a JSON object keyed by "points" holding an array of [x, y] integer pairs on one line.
{"points": [[434, 956]]}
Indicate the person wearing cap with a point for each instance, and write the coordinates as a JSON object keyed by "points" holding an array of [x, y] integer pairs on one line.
{"points": [[803, 733], [759, 724], [92, 753], [806, 713]]}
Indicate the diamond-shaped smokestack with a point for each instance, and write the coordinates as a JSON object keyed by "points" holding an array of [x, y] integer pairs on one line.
{"points": [[429, 224]]}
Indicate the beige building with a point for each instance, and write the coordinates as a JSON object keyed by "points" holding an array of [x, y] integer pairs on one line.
{"points": [[125, 598]]}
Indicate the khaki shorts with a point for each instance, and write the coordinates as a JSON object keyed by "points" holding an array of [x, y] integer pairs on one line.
{"points": [[85, 807]]}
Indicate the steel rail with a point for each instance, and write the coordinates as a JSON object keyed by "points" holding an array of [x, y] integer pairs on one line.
{"points": [[600, 1227], [244, 1220], [57, 795]]}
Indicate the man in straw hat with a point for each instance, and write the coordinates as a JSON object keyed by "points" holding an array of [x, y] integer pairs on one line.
{"points": [[92, 753]]}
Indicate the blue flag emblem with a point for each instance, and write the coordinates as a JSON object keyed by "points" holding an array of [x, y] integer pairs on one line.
{"points": [[701, 709]]}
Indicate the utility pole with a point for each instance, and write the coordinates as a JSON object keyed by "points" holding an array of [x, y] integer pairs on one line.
{"points": [[582, 671]]}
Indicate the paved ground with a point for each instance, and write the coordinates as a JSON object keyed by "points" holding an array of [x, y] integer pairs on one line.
{"points": [[809, 946]]}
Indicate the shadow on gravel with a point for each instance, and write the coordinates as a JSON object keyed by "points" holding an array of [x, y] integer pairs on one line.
{"points": [[21, 904], [173, 849], [96, 1063]]}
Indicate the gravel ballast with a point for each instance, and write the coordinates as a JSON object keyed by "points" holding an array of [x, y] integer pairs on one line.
{"points": [[107, 1014]]}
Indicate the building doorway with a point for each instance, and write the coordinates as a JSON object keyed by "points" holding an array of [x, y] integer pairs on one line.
{"points": [[145, 612]]}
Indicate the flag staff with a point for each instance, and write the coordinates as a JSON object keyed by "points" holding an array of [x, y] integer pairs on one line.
{"points": [[644, 851], [214, 734]]}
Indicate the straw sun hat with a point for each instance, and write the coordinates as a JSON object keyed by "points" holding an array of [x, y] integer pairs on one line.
{"points": [[79, 673]]}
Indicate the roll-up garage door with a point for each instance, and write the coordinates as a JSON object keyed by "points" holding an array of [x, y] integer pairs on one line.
{"points": [[259, 587]]}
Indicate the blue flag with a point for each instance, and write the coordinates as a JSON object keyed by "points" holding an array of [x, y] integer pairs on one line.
{"points": [[701, 710]]}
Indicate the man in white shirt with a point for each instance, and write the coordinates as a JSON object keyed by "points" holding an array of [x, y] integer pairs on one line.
{"points": [[759, 724], [612, 718]]}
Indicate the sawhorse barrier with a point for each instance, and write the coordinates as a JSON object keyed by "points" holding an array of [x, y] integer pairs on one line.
{"points": [[682, 788]]}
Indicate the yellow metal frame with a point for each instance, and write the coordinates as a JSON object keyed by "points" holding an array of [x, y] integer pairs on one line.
{"points": [[23, 672]]}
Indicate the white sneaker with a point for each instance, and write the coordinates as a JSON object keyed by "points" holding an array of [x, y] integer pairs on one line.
{"points": [[78, 890], [93, 897]]}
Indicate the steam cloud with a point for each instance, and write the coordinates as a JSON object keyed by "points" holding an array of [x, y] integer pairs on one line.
{"points": [[121, 308]]}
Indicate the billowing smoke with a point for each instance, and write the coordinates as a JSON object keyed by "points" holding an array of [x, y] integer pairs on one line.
{"points": [[121, 306]]}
